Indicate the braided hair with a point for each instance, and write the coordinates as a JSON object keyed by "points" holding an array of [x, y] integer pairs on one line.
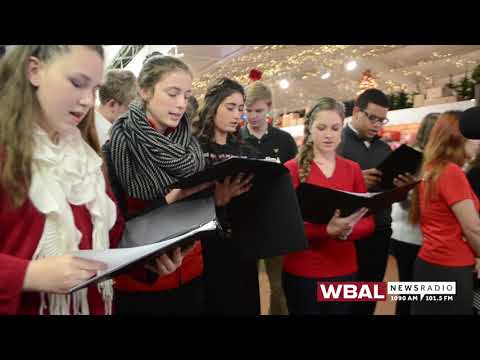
{"points": [[305, 157]]}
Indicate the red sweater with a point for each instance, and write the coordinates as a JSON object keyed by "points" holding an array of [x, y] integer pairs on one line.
{"points": [[20, 232], [329, 256]]}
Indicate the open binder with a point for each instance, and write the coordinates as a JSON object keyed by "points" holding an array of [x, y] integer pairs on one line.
{"points": [[404, 159], [231, 167], [318, 204], [156, 232]]}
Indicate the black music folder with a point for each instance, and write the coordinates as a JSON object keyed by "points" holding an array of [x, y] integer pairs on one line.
{"points": [[231, 167], [318, 204], [404, 159], [156, 232], [267, 221]]}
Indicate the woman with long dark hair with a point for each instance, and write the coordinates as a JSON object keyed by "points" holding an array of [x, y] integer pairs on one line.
{"points": [[231, 280]]}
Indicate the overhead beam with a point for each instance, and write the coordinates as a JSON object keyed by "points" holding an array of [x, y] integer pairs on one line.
{"points": [[124, 56]]}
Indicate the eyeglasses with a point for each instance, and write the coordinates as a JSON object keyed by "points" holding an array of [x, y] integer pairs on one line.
{"points": [[375, 119]]}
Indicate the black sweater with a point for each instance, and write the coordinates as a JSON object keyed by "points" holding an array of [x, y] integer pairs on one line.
{"points": [[353, 147], [276, 143]]}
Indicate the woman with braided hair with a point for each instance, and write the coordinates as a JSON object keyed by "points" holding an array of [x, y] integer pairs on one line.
{"points": [[331, 255]]}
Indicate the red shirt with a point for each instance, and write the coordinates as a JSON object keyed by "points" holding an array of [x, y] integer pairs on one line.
{"points": [[154, 125], [20, 232], [443, 238], [329, 256]]}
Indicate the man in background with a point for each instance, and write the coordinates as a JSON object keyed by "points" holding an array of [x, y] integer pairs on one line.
{"points": [[117, 92], [273, 143]]}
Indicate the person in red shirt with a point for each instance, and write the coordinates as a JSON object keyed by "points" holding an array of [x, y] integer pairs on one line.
{"points": [[331, 256], [447, 209], [151, 147], [54, 199]]}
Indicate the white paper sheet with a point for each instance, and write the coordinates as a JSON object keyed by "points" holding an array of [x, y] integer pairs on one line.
{"points": [[118, 258]]}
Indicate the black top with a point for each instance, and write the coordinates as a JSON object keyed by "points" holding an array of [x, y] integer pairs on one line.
{"points": [[214, 152], [473, 176], [353, 147], [275, 143], [231, 280]]}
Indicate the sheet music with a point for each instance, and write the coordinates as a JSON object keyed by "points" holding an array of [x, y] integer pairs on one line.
{"points": [[118, 258]]}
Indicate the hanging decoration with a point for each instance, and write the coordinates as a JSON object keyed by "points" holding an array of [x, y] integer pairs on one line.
{"points": [[368, 81], [255, 75]]}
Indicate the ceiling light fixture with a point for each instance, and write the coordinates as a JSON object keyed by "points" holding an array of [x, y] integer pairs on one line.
{"points": [[351, 65], [326, 75], [284, 84]]}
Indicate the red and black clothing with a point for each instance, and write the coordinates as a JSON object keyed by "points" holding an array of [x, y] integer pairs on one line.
{"points": [[445, 255], [372, 252], [179, 293], [327, 255], [328, 258]]}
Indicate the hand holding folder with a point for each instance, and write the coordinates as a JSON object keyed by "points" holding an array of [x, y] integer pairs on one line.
{"points": [[262, 170], [232, 187], [403, 160], [318, 204], [152, 234], [342, 227]]}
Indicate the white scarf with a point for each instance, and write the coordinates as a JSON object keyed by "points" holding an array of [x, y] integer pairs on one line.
{"points": [[64, 174]]}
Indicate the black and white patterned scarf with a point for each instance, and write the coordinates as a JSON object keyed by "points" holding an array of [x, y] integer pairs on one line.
{"points": [[146, 162]]}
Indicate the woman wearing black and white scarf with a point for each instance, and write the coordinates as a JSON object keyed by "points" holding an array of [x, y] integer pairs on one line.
{"points": [[151, 147]]}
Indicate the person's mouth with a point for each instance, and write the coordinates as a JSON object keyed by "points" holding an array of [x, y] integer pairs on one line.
{"points": [[176, 116], [77, 116]]}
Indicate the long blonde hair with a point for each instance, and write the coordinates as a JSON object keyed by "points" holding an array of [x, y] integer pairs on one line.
{"points": [[19, 110], [305, 157]]}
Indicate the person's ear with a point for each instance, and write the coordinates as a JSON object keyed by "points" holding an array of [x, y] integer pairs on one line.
{"points": [[269, 106], [355, 112], [34, 67], [146, 94], [111, 104]]}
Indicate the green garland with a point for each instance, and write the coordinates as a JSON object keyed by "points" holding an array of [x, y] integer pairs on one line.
{"points": [[465, 90], [401, 100]]}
